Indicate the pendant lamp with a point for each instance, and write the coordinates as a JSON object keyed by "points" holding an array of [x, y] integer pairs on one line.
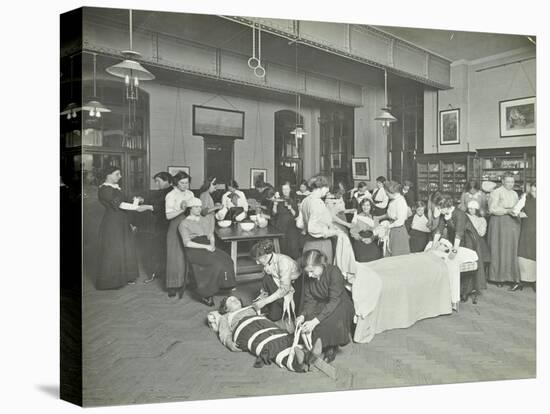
{"points": [[385, 116], [130, 70], [299, 132], [94, 106]]}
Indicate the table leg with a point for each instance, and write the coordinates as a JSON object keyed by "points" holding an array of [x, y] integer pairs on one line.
{"points": [[234, 255], [276, 245]]}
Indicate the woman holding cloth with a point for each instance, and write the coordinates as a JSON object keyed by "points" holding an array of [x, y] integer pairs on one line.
{"points": [[175, 206], [215, 269], [281, 289]]}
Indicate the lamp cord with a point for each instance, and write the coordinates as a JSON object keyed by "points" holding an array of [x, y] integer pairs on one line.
{"points": [[130, 18]]}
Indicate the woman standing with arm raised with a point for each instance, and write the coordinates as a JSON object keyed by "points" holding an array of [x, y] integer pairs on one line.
{"points": [[175, 206]]}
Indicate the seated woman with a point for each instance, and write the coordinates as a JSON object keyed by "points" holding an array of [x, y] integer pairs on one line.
{"points": [[364, 246], [215, 269], [234, 204], [420, 232], [281, 288], [242, 329], [461, 232], [302, 192], [327, 312]]}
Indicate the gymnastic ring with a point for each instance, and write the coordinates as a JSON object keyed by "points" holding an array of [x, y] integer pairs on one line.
{"points": [[259, 72], [253, 63]]}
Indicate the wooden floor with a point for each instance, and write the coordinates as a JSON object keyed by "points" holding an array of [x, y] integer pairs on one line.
{"points": [[140, 346]]}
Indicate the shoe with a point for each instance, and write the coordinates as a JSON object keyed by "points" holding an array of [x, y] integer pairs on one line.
{"points": [[149, 280], [515, 287], [132, 282], [330, 354], [499, 285], [474, 298], [180, 292], [171, 292], [208, 301]]}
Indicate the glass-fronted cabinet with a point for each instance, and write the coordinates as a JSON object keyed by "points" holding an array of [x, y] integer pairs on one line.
{"points": [[448, 173], [520, 162]]}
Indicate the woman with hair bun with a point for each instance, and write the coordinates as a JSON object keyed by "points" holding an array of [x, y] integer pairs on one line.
{"points": [[117, 255], [327, 312], [281, 289]]}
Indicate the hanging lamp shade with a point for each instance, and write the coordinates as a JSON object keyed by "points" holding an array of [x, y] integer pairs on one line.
{"points": [[71, 110], [299, 131], [95, 108], [385, 117], [129, 68]]}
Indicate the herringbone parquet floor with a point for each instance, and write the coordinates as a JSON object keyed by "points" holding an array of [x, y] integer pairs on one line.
{"points": [[140, 346]]}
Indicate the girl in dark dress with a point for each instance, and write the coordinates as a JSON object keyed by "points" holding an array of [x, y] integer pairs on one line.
{"points": [[284, 213], [327, 312], [364, 246], [462, 233], [214, 269], [117, 256]]}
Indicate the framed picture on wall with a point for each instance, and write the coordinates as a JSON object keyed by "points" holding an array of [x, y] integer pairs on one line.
{"points": [[257, 174], [173, 170], [360, 168], [449, 127], [517, 117], [208, 121]]}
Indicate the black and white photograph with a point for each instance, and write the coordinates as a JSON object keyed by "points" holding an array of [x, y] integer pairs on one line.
{"points": [[288, 206]]}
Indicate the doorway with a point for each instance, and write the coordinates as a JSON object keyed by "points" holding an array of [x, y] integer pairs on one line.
{"points": [[288, 150]]}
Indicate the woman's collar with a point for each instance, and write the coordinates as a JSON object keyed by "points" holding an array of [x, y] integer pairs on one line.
{"points": [[111, 185]]}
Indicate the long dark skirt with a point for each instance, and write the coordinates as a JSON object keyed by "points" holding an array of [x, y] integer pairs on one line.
{"points": [[418, 240], [176, 271], [476, 280], [335, 330], [366, 252], [290, 242], [503, 241], [274, 310], [212, 270], [117, 255], [323, 245], [398, 241]]}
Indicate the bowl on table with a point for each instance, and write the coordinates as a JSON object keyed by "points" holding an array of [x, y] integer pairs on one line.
{"points": [[247, 225], [224, 223], [254, 218], [261, 222]]}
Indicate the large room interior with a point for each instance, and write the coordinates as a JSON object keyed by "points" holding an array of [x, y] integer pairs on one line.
{"points": [[140, 345]]}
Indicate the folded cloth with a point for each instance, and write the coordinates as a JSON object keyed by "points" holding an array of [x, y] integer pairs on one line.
{"points": [[344, 257], [365, 292], [463, 255]]}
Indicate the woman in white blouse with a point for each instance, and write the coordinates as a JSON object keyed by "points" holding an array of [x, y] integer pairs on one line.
{"points": [[175, 206], [397, 214], [380, 198], [316, 219]]}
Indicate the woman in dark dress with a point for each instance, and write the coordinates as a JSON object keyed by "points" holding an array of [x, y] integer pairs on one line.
{"points": [[117, 256], [284, 213], [327, 312], [361, 232], [213, 268], [527, 250], [462, 233]]}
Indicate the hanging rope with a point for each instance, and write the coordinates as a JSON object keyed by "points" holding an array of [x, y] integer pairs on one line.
{"points": [[528, 79], [507, 95]]}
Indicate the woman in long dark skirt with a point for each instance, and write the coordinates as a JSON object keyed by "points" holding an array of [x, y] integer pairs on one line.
{"points": [[214, 268], [117, 255], [361, 232], [284, 212], [527, 250], [328, 311], [176, 205], [462, 233]]}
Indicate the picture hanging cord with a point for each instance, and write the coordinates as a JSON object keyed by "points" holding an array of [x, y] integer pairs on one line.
{"points": [[221, 97]]}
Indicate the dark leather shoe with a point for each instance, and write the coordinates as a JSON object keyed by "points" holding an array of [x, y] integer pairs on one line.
{"points": [[171, 293], [330, 354], [208, 301], [517, 286]]}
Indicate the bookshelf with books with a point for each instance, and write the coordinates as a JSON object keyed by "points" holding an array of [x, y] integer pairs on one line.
{"points": [[448, 173]]}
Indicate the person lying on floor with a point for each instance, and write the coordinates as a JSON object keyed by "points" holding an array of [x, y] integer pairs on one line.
{"points": [[242, 329]]}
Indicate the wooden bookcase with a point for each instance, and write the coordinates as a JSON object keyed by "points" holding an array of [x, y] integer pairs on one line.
{"points": [[520, 161], [445, 172]]}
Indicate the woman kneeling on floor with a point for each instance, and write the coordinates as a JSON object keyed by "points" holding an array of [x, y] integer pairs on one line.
{"points": [[214, 270], [327, 312], [242, 329], [281, 290]]}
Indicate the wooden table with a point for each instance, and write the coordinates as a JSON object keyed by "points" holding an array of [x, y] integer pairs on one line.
{"points": [[234, 234]]}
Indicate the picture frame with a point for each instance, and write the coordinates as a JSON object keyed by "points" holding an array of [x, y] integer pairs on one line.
{"points": [[173, 169], [256, 174], [218, 122], [360, 168], [517, 117], [449, 127]]}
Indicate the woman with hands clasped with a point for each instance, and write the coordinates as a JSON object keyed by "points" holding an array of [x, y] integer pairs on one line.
{"points": [[327, 312], [215, 268]]}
